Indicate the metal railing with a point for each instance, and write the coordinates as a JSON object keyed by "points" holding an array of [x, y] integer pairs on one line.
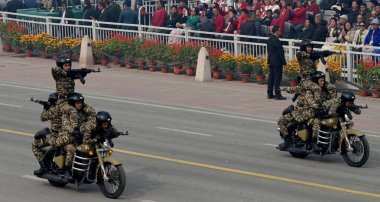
{"points": [[236, 44]]}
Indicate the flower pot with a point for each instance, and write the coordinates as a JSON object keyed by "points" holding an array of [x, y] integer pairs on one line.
{"points": [[229, 76], [260, 77], [375, 92], [140, 64], [164, 69], [129, 64], [43, 55], [293, 83], [115, 61], [7, 47], [54, 56], [177, 70], [16, 50], [216, 74], [363, 92], [245, 78], [28, 53], [190, 71], [104, 61], [152, 66]]}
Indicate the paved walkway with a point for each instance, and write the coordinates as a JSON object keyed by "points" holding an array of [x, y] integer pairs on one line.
{"points": [[169, 89]]}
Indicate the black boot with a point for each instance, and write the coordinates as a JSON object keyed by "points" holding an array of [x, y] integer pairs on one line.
{"points": [[42, 170], [68, 176], [315, 146], [286, 144]]}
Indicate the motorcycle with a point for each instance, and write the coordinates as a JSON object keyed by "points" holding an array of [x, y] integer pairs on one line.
{"points": [[335, 135], [92, 163]]}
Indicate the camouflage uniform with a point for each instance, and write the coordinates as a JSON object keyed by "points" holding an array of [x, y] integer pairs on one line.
{"points": [[87, 122], [65, 138], [308, 67], [54, 115], [64, 84], [304, 110], [329, 103]]}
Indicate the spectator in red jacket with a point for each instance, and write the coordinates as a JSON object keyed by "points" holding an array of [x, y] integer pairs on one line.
{"points": [[159, 16], [299, 18], [313, 7], [218, 20]]}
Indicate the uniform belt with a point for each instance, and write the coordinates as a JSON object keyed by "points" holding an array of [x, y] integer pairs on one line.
{"points": [[54, 131]]}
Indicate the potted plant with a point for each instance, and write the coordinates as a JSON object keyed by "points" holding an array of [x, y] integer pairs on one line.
{"points": [[259, 65], [97, 50], [167, 57], [228, 64], [40, 43], [245, 66], [215, 65], [178, 58], [10, 34], [152, 49], [335, 70], [292, 70], [374, 81], [27, 42], [362, 71], [190, 57]]}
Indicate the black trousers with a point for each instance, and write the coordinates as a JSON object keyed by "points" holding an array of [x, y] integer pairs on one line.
{"points": [[275, 76]]}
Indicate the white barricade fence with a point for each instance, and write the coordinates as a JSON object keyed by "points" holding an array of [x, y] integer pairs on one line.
{"points": [[236, 44]]}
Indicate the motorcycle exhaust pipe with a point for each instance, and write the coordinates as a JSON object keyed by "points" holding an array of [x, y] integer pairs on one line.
{"points": [[54, 178]]}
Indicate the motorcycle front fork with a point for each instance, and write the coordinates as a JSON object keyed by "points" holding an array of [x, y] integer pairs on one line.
{"points": [[100, 157]]}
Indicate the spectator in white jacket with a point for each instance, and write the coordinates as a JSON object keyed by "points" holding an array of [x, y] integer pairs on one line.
{"points": [[359, 37]]}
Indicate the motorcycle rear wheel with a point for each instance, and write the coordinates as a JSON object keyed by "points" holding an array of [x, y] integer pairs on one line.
{"points": [[360, 153], [57, 184], [116, 184]]}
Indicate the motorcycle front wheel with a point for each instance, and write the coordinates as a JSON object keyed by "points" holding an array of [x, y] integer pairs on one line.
{"points": [[360, 151], [114, 186]]}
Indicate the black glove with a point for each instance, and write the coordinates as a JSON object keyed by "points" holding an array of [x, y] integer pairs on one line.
{"points": [[47, 106], [78, 139]]}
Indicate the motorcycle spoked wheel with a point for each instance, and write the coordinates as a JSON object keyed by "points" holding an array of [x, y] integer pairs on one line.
{"points": [[114, 187], [360, 153]]}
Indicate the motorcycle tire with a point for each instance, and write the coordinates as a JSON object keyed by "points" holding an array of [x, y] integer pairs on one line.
{"points": [[365, 151], [120, 175], [57, 184], [298, 155]]}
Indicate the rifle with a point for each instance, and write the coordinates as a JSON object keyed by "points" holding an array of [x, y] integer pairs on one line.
{"points": [[359, 107], [46, 104], [81, 73]]}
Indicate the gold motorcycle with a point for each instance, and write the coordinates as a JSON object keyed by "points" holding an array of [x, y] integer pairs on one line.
{"points": [[92, 163], [335, 135]]}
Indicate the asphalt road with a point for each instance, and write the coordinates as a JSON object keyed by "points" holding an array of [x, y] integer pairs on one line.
{"points": [[182, 154]]}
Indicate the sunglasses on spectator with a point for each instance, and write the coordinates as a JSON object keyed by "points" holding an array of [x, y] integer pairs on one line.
{"points": [[361, 25]]}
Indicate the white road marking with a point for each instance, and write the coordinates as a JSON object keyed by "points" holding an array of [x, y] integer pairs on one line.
{"points": [[9, 105], [33, 178], [184, 131], [271, 145], [21, 63]]}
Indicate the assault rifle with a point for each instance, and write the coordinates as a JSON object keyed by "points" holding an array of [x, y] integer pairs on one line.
{"points": [[108, 135], [46, 104], [81, 73]]}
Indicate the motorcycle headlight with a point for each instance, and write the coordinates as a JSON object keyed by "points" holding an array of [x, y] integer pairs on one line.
{"points": [[85, 148]]}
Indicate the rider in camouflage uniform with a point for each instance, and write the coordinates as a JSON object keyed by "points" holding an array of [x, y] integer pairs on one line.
{"points": [[329, 103], [304, 110], [104, 130], [42, 138]]}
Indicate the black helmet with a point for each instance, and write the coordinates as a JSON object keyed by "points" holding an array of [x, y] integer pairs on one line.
{"points": [[62, 60], [347, 96], [305, 43], [317, 75], [53, 97], [103, 116], [75, 97]]}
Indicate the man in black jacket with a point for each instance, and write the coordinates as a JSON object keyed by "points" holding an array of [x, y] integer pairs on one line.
{"points": [[320, 30], [172, 19], [248, 28], [276, 60]]}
